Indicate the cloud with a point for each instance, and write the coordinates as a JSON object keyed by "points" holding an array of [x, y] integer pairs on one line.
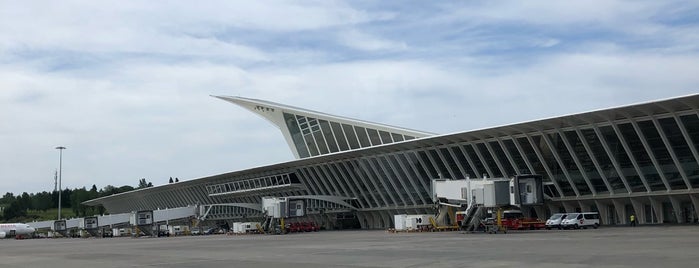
{"points": [[362, 41], [125, 86]]}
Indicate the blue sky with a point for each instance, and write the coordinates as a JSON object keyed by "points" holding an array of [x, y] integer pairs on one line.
{"points": [[125, 85]]}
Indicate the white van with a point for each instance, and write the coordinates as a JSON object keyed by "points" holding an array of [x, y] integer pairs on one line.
{"points": [[555, 221], [581, 220]]}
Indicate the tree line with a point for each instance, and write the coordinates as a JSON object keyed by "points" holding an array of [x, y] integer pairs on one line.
{"points": [[16, 208]]}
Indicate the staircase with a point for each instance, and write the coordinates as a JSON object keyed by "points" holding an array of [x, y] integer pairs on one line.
{"points": [[472, 218]]}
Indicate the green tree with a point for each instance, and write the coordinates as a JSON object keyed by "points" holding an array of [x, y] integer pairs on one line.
{"points": [[7, 198], [14, 211]]}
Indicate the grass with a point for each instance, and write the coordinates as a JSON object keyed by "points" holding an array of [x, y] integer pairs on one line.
{"points": [[50, 214]]}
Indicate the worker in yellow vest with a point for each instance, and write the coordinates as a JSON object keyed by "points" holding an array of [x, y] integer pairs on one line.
{"points": [[633, 220]]}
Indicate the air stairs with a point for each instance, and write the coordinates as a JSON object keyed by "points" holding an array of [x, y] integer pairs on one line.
{"points": [[473, 216]]}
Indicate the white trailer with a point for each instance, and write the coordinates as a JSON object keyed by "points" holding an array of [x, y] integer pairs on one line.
{"points": [[399, 221]]}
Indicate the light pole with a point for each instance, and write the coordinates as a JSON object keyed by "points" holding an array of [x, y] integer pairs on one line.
{"points": [[60, 171]]}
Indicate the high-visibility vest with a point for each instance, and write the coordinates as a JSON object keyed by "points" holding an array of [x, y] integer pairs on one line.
{"points": [[633, 217]]}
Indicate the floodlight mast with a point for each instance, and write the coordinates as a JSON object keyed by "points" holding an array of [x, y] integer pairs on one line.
{"points": [[60, 173]]}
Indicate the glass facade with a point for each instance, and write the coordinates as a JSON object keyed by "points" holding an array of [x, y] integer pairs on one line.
{"points": [[313, 136]]}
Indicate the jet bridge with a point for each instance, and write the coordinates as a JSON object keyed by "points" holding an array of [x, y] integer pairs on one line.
{"points": [[89, 227], [94, 225], [475, 195]]}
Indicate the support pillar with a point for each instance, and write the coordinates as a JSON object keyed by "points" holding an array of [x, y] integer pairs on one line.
{"points": [[603, 213], [568, 207], [639, 210], [541, 212], [657, 206], [387, 221], [695, 203], [553, 208], [584, 207], [676, 208], [363, 222], [620, 208], [371, 219]]}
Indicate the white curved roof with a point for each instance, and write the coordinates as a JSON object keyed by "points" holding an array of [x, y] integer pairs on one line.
{"points": [[310, 133]]}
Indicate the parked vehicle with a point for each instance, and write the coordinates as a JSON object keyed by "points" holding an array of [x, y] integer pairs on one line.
{"points": [[581, 220], [555, 220]]}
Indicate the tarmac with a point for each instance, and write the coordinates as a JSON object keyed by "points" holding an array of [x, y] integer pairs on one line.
{"points": [[656, 246]]}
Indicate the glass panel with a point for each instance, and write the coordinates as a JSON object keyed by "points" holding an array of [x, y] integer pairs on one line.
{"points": [[384, 166], [530, 154], [397, 137], [351, 137], [504, 161], [320, 141], [643, 159], [328, 135], [425, 178], [553, 166], [374, 136], [691, 125], [432, 172], [409, 137], [476, 161], [388, 188], [569, 164], [586, 162], [408, 160], [511, 148], [618, 152], [363, 138], [442, 169], [340, 186], [403, 177], [340, 136], [463, 162], [667, 165], [385, 137], [311, 144], [489, 160], [296, 135], [451, 164], [327, 185], [356, 184], [603, 160], [355, 172], [380, 189]]}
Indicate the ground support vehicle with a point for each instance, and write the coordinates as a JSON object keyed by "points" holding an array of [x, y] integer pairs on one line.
{"points": [[515, 220]]}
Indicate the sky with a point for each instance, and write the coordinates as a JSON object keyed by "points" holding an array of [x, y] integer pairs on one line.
{"points": [[126, 85]]}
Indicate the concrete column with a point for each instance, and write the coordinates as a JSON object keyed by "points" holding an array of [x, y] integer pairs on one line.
{"points": [[584, 207], [657, 208], [541, 212], [620, 208], [371, 219], [677, 208], [569, 207], [363, 222], [603, 215], [695, 202], [639, 210], [554, 208], [387, 221]]}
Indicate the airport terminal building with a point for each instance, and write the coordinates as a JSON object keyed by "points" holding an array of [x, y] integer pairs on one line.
{"points": [[640, 159]]}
